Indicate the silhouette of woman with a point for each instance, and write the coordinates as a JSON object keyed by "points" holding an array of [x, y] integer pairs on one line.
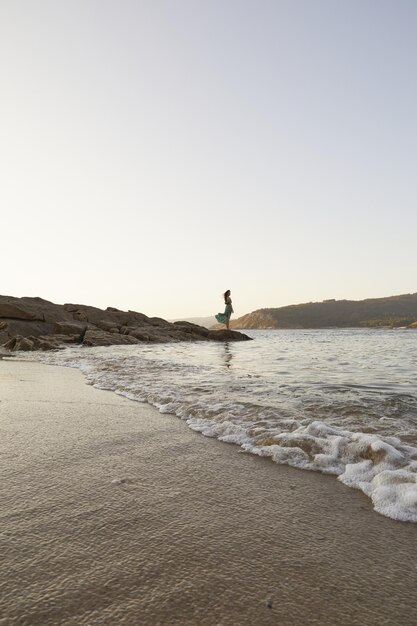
{"points": [[224, 318]]}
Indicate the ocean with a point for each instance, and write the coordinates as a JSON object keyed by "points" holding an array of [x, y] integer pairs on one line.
{"points": [[341, 402]]}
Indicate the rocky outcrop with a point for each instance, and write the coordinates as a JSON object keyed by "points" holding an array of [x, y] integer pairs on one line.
{"points": [[15, 312], [37, 324], [103, 338], [226, 335]]}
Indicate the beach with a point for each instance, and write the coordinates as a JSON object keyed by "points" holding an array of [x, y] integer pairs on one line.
{"points": [[112, 513]]}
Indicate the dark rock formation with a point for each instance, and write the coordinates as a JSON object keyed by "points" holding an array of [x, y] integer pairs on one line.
{"points": [[226, 335], [37, 324], [16, 313], [103, 338]]}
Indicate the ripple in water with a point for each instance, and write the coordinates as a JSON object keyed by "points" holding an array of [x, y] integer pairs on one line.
{"points": [[342, 402]]}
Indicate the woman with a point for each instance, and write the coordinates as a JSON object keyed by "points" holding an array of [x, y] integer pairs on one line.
{"points": [[223, 318]]}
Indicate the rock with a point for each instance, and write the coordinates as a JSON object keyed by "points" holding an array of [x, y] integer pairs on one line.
{"points": [[9, 345], [12, 311], [25, 328], [413, 325], [81, 316], [159, 322], [42, 343], [227, 335], [70, 328], [24, 343], [102, 338], [20, 343], [189, 327], [35, 300], [107, 326], [48, 326], [164, 335], [160, 334], [141, 335], [33, 309], [32, 343]]}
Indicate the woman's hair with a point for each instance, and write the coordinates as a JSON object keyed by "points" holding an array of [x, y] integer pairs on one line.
{"points": [[226, 294]]}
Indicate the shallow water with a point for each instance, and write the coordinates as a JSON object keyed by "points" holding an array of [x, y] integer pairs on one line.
{"points": [[337, 401]]}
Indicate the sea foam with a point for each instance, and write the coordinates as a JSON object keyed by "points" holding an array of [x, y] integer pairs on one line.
{"points": [[353, 431], [385, 470]]}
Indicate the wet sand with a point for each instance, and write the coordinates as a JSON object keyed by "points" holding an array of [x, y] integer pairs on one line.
{"points": [[112, 513]]}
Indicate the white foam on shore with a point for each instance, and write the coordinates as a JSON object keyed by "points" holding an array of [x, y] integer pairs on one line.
{"points": [[385, 469], [382, 467]]}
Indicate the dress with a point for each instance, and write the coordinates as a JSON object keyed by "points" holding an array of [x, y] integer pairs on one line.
{"points": [[223, 317]]}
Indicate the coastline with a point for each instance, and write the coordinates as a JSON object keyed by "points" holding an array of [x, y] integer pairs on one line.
{"points": [[116, 514]]}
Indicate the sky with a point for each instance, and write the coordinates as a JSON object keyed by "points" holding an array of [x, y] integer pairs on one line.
{"points": [[154, 153]]}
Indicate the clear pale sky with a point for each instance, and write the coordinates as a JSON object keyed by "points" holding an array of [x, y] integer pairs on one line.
{"points": [[154, 153]]}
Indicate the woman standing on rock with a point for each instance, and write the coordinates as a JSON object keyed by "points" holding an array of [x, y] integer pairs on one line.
{"points": [[224, 318]]}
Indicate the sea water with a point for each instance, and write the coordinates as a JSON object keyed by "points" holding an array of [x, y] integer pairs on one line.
{"points": [[341, 402]]}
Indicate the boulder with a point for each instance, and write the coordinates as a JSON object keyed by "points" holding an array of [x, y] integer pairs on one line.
{"points": [[126, 330], [141, 335], [25, 328], [80, 315], [159, 334], [102, 338], [227, 335], [19, 343], [194, 329], [107, 325], [9, 345], [32, 309], [98, 317], [43, 343], [70, 328], [158, 321], [26, 344], [12, 311], [138, 318]]}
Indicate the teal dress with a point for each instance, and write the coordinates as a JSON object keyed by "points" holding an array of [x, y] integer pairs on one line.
{"points": [[223, 317]]}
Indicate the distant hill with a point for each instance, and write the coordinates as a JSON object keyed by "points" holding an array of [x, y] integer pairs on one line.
{"points": [[207, 322], [394, 311]]}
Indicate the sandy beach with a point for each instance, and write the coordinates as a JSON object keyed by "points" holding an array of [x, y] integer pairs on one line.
{"points": [[112, 513]]}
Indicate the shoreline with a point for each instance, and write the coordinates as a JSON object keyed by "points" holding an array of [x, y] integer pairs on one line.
{"points": [[116, 514]]}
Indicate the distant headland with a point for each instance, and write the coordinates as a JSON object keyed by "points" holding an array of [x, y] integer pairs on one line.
{"points": [[392, 312], [37, 324]]}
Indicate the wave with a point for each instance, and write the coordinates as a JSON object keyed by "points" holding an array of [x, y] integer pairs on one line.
{"points": [[382, 467]]}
